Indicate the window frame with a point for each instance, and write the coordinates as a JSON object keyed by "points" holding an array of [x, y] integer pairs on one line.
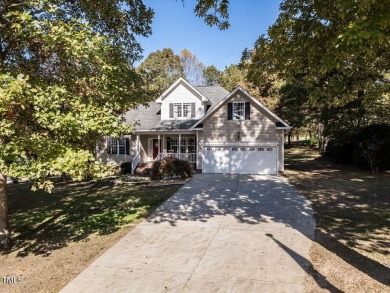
{"points": [[177, 110], [186, 110], [182, 110], [118, 145], [242, 117], [174, 144]]}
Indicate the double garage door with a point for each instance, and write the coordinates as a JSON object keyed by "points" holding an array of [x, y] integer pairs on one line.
{"points": [[240, 159]]}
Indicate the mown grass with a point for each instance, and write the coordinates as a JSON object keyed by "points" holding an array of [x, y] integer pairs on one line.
{"points": [[57, 235], [42, 221]]}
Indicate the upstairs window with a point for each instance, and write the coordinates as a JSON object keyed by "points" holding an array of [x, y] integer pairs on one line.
{"points": [[177, 109], [238, 111], [187, 110], [181, 110]]}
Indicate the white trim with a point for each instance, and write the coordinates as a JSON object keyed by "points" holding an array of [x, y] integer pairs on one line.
{"points": [[183, 131], [241, 144], [179, 145], [158, 141], [277, 160], [197, 148], [138, 145], [229, 96], [174, 85], [150, 148]]}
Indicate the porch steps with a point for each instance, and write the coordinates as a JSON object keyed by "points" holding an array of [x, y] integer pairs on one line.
{"points": [[143, 169]]}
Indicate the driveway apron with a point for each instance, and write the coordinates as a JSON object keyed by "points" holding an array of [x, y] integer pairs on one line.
{"points": [[218, 233]]}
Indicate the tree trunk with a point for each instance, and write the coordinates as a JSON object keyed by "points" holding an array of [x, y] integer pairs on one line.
{"points": [[5, 239], [289, 137]]}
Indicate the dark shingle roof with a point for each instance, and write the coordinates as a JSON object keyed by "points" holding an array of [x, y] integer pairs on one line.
{"points": [[175, 124], [214, 93], [149, 118]]}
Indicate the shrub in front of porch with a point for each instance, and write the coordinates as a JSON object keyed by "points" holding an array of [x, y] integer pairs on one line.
{"points": [[171, 167], [126, 168]]}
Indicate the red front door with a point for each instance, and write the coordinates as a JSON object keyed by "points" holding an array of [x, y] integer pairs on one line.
{"points": [[155, 148]]}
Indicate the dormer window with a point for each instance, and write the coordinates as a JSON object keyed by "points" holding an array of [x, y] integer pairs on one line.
{"points": [[182, 110], [178, 110], [187, 110]]}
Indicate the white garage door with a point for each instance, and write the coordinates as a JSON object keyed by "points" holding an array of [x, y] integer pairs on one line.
{"points": [[240, 159]]}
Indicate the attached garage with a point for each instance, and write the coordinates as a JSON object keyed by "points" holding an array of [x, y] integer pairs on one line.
{"points": [[240, 159]]}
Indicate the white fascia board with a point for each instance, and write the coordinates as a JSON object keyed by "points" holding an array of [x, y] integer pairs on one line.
{"points": [[140, 131], [241, 144], [175, 84]]}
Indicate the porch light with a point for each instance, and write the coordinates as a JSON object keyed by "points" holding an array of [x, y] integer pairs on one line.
{"points": [[238, 135]]}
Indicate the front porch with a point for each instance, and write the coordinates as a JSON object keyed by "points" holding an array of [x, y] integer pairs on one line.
{"points": [[151, 147], [190, 157]]}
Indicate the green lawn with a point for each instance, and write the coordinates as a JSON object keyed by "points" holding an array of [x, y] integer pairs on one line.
{"points": [[42, 221], [57, 235]]}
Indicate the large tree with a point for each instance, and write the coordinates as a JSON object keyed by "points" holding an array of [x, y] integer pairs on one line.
{"points": [[192, 68], [211, 75], [161, 69], [236, 75], [66, 75], [338, 51]]}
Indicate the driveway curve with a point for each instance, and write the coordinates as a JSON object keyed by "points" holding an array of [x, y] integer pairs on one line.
{"points": [[218, 233]]}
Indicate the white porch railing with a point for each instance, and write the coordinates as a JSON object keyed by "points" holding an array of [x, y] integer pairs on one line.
{"points": [[135, 162], [190, 157]]}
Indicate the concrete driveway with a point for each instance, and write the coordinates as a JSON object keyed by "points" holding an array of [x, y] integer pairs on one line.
{"points": [[218, 233]]}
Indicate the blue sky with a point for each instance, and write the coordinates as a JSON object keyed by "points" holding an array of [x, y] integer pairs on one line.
{"points": [[175, 26]]}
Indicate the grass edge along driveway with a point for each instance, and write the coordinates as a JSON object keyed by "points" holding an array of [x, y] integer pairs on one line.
{"points": [[56, 235], [351, 250]]}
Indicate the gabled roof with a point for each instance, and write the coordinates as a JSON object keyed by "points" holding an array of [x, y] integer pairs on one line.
{"points": [[280, 124], [215, 93], [175, 84], [149, 117]]}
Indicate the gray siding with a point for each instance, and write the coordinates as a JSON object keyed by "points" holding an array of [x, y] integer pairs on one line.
{"points": [[116, 159]]}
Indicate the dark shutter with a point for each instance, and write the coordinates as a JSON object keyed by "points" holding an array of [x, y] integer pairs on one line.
{"points": [[170, 110], [168, 143], [127, 146], [230, 111], [192, 109], [247, 111]]}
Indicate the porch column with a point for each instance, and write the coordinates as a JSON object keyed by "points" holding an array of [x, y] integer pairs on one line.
{"points": [[196, 148], [158, 142], [179, 147], [138, 144]]}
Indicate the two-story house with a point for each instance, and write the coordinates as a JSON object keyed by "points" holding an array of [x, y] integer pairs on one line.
{"points": [[216, 130]]}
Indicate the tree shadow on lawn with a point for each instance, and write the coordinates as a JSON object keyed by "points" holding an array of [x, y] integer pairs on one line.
{"points": [[352, 211], [42, 222]]}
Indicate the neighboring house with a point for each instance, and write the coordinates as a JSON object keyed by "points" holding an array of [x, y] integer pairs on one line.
{"points": [[216, 131]]}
